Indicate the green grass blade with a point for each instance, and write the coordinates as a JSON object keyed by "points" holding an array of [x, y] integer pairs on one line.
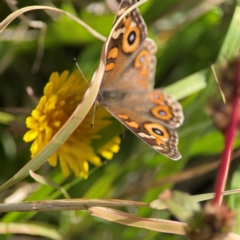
{"points": [[35, 229], [230, 47], [187, 86]]}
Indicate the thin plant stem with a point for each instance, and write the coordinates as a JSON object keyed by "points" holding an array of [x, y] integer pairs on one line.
{"points": [[230, 135]]}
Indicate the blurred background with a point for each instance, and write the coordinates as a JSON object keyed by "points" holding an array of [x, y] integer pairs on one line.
{"points": [[189, 35]]}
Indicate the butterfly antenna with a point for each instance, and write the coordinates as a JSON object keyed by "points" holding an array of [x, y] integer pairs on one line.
{"points": [[75, 60], [93, 117], [95, 103], [218, 84]]}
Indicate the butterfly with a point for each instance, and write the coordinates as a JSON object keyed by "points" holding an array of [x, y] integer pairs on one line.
{"points": [[126, 90]]}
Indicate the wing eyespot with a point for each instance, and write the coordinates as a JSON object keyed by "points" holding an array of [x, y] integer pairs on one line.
{"points": [[131, 37], [157, 131], [156, 97], [162, 112], [141, 59]]}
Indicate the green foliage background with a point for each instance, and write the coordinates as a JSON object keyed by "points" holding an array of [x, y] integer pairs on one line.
{"points": [[189, 35]]}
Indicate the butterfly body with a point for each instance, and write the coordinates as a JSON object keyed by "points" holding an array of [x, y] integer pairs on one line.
{"points": [[127, 86]]}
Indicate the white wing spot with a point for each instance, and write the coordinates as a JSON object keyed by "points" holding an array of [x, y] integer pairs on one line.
{"points": [[133, 24], [158, 148], [117, 33], [143, 135]]}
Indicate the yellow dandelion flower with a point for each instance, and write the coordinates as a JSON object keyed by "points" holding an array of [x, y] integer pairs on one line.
{"points": [[62, 94], [111, 147]]}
